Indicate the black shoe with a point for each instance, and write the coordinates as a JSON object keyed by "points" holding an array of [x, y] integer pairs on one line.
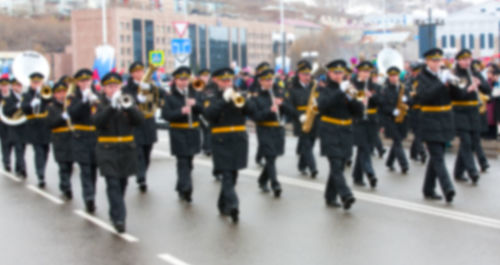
{"points": [[449, 196], [382, 153], [359, 183], [22, 174], [277, 192], [185, 196], [7, 168], [234, 213], [461, 178], [433, 197], [373, 182], [405, 170], [143, 187], [119, 227], [485, 167], [314, 174], [474, 178], [90, 206], [264, 188], [68, 195], [41, 184], [333, 203], [348, 202], [348, 163]]}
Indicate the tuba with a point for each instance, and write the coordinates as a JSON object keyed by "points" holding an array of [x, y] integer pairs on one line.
{"points": [[23, 66], [152, 95]]}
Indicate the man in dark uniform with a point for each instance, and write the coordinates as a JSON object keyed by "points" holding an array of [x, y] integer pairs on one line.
{"points": [[365, 128], [298, 98], [270, 132], [227, 114], [61, 138], [182, 109], [477, 146], [16, 133], [82, 104], [378, 145], [467, 117], [145, 135], [336, 110], [395, 129], [37, 130], [116, 149], [204, 76], [6, 144], [434, 90], [417, 150]]}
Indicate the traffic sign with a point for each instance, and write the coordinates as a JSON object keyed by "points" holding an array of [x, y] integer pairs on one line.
{"points": [[157, 58], [181, 46], [180, 27]]}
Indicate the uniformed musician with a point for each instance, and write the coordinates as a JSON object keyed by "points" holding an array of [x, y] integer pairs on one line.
{"points": [[204, 75], [61, 138], [395, 129], [115, 119], [417, 150], [82, 103], [377, 145], [336, 111], [37, 130], [182, 109], [298, 98], [227, 112], [6, 144]]}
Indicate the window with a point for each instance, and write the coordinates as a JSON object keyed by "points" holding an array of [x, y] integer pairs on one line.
{"points": [[482, 41], [491, 41], [452, 41], [219, 47], [194, 42], [122, 38], [243, 47], [150, 37], [462, 41], [137, 37], [471, 41]]}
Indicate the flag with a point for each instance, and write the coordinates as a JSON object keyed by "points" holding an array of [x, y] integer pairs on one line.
{"points": [[104, 62]]}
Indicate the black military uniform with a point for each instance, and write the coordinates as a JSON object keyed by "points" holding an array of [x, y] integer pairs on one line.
{"points": [[184, 136], [230, 143], [336, 111], [61, 141], [395, 130], [378, 145], [270, 134], [145, 135], [477, 147], [82, 105], [204, 125], [15, 135], [298, 98], [116, 149], [437, 125], [37, 130], [467, 120], [365, 129], [6, 144], [417, 150]]}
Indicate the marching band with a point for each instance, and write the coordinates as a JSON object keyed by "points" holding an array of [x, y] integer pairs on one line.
{"points": [[113, 130]]}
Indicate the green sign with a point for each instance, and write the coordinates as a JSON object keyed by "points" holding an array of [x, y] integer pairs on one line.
{"points": [[157, 58]]}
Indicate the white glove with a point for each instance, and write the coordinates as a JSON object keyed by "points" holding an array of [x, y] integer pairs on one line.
{"points": [[445, 76], [35, 102], [65, 116], [228, 94], [344, 86], [85, 95], [141, 98], [145, 86], [18, 105], [395, 112], [496, 93], [93, 98], [115, 100], [302, 118], [405, 99]]}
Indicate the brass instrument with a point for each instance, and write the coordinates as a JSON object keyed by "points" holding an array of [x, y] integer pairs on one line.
{"points": [[271, 94], [238, 100], [67, 101], [198, 85], [46, 92], [152, 95], [16, 119], [401, 106], [190, 114], [126, 101], [312, 110]]}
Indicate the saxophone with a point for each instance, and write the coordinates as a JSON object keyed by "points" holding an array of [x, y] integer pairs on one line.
{"points": [[311, 111]]}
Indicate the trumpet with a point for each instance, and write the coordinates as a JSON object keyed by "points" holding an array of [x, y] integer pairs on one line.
{"points": [[46, 92], [454, 80], [126, 101], [198, 85], [236, 97]]}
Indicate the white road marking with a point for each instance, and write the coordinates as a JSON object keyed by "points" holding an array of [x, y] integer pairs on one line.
{"points": [[105, 226], [45, 194], [372, 198], [171, 259], [11, 176]]}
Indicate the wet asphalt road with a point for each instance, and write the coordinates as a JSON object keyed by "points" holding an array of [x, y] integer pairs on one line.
{"points": [[389, 225]]}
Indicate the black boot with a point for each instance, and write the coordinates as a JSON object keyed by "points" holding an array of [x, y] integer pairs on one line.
{"points": [[90, 206]]}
